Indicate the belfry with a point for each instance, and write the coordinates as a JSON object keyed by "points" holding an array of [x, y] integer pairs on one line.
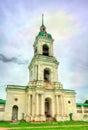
{"points": [[44, 97]]}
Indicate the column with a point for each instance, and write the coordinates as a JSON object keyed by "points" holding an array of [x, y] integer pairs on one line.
{"points": [[42, 105], [29, 104], [53, 107], [34, 72], [57, 105], [33, 105], [38, 72], [82, 108], [61, 105], [57, 74], [37, 104], [64, 107]]}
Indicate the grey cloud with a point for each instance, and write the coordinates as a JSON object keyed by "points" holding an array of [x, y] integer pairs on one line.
{"points": [[16, 60]]}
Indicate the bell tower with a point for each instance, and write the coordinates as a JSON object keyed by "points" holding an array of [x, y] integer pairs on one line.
{"points": [[44, 66], [43, 43]]}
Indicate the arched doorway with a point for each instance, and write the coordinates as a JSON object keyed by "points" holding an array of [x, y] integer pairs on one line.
{"points": [[48, 107], [45, 50], [46, 75], [14, 112]]}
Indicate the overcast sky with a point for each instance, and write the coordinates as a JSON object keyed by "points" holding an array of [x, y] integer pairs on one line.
{"points": [[65, 20]]}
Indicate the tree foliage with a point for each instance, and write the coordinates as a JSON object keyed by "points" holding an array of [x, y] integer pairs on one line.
{"points": [[86, 101]]}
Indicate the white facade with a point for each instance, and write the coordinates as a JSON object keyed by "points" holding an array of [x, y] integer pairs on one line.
{"points": [[44, 97], [2, 110]]}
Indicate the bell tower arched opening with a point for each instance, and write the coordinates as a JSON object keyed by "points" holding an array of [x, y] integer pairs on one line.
{"points": [[47, 75], [45, 50]]}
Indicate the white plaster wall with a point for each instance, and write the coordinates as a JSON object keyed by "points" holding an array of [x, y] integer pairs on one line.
{"points": [[41, 42], [11, 95], [53, 73], [69, 107], [1, 116], [2, 106]]}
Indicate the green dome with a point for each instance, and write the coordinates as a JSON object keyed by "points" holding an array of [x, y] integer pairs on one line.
{"points": [[41, 33], [49, 35], [44, 34]]}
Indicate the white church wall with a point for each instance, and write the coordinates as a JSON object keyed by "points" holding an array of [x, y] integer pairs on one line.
{"points": [[2, 110], [69, 105], [15, 97], [43, 88], [41, 41], [1, 116]]}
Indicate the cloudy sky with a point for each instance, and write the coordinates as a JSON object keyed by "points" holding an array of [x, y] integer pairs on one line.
{"points": [[65, 20]]}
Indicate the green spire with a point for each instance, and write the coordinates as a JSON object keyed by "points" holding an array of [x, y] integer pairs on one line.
{"points": [[43, 29], [42, 19]]}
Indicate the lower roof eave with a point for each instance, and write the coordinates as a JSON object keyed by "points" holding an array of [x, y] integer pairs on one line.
{"points": [[16, 87]]}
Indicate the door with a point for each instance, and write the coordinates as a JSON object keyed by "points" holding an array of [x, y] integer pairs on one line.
{"points": [[48, 107], [15, 112]]}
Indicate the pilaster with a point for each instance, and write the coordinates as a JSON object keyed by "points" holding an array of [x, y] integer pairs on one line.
{"points": [[37, 104], [29, 104]]}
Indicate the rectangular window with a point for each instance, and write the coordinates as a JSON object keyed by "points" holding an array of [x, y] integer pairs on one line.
{"points": [[2, 109]]}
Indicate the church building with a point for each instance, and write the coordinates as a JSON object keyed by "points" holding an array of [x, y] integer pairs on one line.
{"points": [[44, 97]]}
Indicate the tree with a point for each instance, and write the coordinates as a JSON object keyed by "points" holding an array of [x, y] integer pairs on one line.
{"points": [[86, 101]]}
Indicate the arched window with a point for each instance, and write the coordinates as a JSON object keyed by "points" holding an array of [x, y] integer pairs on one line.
{"points": [[46, 75], [45, 50], [35, 50], [14, 112]]}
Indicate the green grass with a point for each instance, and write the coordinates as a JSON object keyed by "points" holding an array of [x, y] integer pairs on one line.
{"points": [[73, 128], [67, 125]]}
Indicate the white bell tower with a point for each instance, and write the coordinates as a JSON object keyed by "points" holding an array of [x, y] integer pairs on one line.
{"points": [[44, 66]]}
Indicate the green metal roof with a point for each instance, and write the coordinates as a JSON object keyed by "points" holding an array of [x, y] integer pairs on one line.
{"points": [[41, 33], [2, 101], [69, 91], [49, 35], [82, 104], [16, 87], [44, 33]]}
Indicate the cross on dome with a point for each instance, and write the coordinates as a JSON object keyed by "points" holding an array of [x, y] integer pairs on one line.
{"points": [[43, 28], [42, 19]]}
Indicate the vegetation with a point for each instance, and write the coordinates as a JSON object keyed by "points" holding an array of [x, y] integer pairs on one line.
{"points": [[69, 125], [86, 101]]}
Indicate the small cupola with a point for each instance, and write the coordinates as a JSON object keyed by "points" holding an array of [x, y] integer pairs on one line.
{"points": [[43, 30]]}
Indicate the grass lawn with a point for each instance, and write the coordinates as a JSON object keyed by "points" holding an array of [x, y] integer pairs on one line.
{"points": [[67, 125], [73, 128]]}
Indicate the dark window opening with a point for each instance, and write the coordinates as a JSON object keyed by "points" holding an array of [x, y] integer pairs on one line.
{"points": [[48, 107], [15, 112], [36, 50], [45, 50], [2, 109], [46, 75], [16, 99], [69, 102], [43, 29]]}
